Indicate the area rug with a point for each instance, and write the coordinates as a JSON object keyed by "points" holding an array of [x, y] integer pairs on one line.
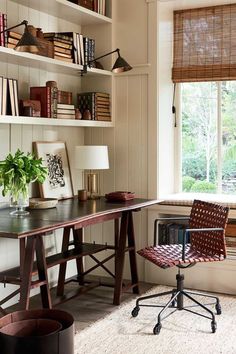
{"points": [[182, 332]]}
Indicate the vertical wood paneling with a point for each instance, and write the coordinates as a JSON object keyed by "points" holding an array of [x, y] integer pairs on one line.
{"points": [[127, 144], [121, 133]]}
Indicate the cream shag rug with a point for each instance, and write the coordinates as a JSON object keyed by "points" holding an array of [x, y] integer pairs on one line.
{"points": [[181, 333]]}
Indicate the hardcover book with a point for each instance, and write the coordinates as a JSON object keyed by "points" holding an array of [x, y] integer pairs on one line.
{"points": [[42, 94]]}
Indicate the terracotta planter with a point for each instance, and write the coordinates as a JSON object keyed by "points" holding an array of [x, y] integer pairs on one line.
{"points": [[37, 331]]}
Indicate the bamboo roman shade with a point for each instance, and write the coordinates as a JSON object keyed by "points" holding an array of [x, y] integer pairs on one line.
{"points": [[205, 44]]}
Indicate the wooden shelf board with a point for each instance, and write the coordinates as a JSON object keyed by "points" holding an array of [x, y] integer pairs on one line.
{"points": [[9, 55], [54, 122], [66, 10], [13, 275]]}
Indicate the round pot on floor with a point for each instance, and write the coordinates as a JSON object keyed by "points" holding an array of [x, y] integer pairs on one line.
{"points": [[37, 331]]}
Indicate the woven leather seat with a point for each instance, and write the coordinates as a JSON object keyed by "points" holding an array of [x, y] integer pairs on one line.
{"points": [[166, 256], [207, 225]]}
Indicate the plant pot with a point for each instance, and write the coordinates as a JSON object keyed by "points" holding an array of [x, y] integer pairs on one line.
{"points": [[19, 203]]}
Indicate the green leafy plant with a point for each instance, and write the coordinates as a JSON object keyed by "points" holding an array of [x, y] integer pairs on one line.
{"points": [[17, 171]]}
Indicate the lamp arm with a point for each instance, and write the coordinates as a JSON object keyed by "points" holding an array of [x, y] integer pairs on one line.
{"points": [[20, 24], [105, 55]]}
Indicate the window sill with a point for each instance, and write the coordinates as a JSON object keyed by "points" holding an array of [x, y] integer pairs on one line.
{"points": [[180, 203]]}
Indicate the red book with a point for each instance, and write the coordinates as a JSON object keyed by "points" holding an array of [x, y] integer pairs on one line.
{"points": [[42, 94], [1, 29]]}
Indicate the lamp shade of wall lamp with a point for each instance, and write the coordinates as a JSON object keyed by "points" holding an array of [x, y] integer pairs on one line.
{"points": [[27, 43], [119, 66], [91, 157]]}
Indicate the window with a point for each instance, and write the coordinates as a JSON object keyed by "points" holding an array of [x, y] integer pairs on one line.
{"points": [[208, 144], [204, 65]]}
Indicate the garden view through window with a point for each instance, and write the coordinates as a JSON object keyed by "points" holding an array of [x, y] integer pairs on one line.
{"points": [[209, 137]]}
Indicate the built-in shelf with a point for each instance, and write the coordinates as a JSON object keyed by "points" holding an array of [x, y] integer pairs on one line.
{"points": [[11, 56], [66, 10], [55, 122]]}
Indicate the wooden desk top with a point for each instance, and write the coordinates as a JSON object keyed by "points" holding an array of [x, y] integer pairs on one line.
{"points": [[68, 212]]}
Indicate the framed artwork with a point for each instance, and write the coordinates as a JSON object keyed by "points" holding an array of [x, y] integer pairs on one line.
{"points": [[58, 182]]}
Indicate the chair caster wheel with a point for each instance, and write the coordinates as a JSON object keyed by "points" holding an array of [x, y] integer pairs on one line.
{"points": [[135, 311], [218, 309], [213, 326], [157, 328]]}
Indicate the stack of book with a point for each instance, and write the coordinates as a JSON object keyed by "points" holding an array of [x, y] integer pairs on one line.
{"points": [[9, 102], [63, 46], [98, 104], [3, 26], [47, 95], [12, 39], [65, 111], [72, 47]]}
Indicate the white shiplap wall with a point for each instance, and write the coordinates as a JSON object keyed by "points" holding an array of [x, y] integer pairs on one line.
{"points": [[21, 136], [134, 105]]}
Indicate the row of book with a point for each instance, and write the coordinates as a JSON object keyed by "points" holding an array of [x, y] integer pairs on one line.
{"points": [[96, 103], [98, 6], [171, 233], [3, 26], [72, 47], [54, 103], [9, 100]]}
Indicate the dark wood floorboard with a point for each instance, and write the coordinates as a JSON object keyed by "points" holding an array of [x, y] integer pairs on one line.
{"points": [[90, 307]]}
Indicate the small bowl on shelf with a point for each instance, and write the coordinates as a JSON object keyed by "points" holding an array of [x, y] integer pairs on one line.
{"points": [[42, 203]]}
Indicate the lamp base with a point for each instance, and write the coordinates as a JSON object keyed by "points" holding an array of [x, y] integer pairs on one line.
{"points": [[92, 185]]}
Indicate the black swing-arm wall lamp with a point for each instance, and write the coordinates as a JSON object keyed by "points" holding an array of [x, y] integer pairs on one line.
{"points": [[119, 66], [27, 43]]}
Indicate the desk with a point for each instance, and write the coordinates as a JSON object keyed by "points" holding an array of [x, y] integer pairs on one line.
{"points": [[69, 215]]}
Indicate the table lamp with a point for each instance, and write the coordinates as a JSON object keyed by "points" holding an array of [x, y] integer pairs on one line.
{"points": [[91, 157]]}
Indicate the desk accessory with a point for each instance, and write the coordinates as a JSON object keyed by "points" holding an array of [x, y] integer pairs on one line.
{"points": [[120, 196], [42, 203]]}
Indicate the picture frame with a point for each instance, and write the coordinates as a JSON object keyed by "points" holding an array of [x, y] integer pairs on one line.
{"points": [[58, 183]]}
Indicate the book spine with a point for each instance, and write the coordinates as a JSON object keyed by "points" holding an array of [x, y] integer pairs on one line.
{"points": [[5, 27], [53, 96], [86, 50], [1, 29], [95, 5], [16, 96], [48, 102]]}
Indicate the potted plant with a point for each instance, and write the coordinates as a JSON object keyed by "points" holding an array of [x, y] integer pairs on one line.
{"points": [[17, 171]]}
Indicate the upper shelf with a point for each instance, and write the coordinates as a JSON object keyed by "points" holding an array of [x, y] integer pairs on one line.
{"points": [[54, 122], [66, 10], [11, 56]]}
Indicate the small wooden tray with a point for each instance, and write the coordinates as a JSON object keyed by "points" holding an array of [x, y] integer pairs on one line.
{"points": [[42, 203]]}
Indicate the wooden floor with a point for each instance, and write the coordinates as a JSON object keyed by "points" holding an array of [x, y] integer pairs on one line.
{"points": [[90, 307]]}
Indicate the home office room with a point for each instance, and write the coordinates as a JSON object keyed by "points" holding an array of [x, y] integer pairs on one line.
{"points": [[117, 176]]}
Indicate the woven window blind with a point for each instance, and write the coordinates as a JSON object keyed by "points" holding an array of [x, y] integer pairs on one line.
{"points": [[205, 44]]}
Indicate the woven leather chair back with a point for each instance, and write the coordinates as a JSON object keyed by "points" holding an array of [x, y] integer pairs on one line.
{"points": [[208, 215]]}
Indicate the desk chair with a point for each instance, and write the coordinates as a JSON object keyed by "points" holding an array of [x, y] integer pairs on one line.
{"points": [[207, 225]]}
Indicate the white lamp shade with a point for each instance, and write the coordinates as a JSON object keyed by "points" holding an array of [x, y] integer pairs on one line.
{"points": [[91, 157]]}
